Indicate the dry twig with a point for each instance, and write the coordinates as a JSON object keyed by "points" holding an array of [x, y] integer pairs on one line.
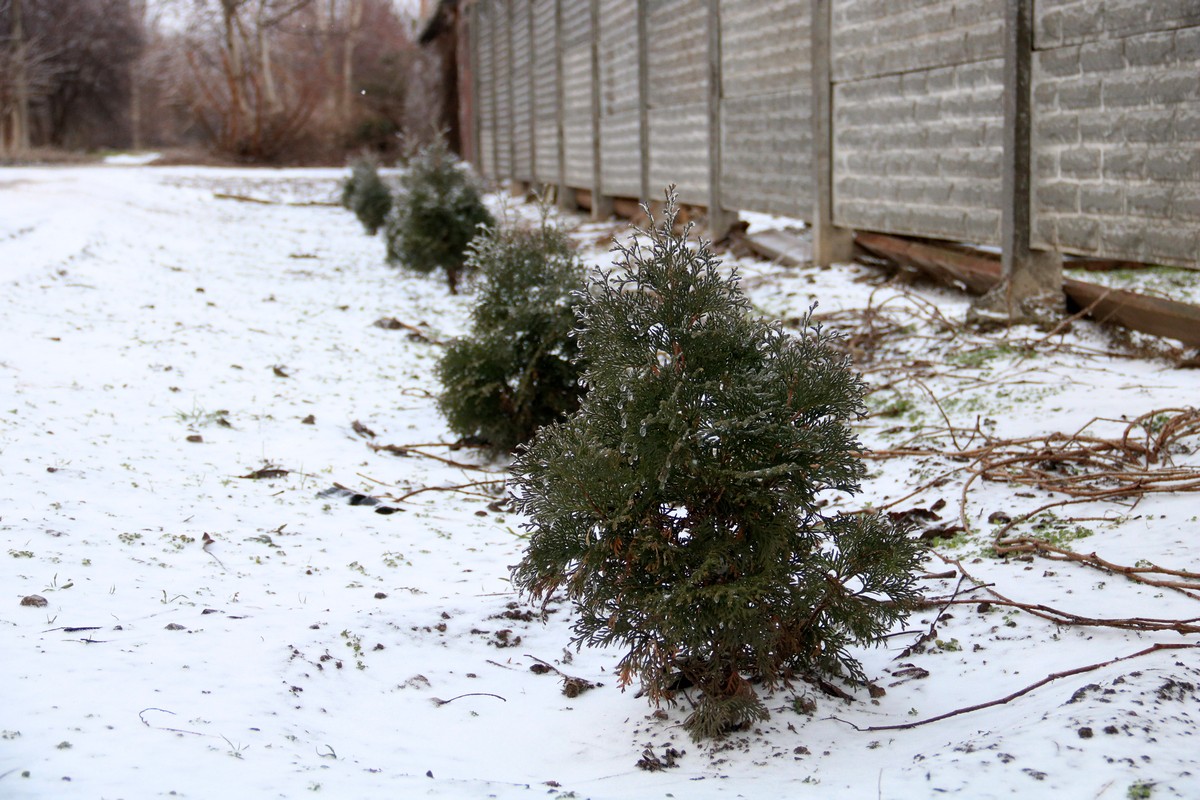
{"points": [[1020, 692], [462, 488], [1080, 466], [415, 450], [1065, 618]]}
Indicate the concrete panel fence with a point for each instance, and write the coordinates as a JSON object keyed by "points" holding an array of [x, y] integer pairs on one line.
{"points": [[1061, 126]]}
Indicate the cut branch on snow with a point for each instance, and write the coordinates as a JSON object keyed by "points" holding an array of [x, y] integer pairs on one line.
{"points": [[1054, 676]]}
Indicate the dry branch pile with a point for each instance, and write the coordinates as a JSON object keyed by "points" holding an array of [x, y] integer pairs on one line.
{"points": [[1080, 466]]}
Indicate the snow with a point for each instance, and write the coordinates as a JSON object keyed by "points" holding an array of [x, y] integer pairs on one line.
{"points": [[314, 648], [131, 159]]}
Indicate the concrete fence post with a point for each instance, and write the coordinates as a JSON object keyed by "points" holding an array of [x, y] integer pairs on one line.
{"points": [[643, 81], [719, 220], [510, 87], [493, 94], [475, 148], [602, 206], [566, 197], [830, 243], [532, 94], [1031, 286]]}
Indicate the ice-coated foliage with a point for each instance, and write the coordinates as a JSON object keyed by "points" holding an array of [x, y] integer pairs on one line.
{"points": [[516, 370], [365, 193], [435, 214], [680, 507]]}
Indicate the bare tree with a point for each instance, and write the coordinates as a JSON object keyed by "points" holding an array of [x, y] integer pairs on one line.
{"points": [[353, 17], [287, 79], [65, 72], [249, 105], [96, 44], [385, 66], [160, 109], [20, 65], [20, 88]]}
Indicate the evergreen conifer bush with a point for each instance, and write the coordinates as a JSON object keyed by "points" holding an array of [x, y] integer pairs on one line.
{"points": [[436, 213], [516, 370], [679, 508], [365, 193]]}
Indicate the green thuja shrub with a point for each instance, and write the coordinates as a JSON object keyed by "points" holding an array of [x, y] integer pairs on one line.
{"points": [[436, 213], [348, 187], [365, 193], [516, 369], [680, 507]]}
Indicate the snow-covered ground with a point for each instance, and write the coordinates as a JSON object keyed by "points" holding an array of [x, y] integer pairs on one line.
{"points": [[181, 374]]}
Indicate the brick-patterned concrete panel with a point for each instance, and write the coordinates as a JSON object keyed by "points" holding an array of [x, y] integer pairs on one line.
{"points": [[545, 92], [918, 118], [766, 120], [678, 57], [522, 113], [766, 146], [678, 93], [679, 151], [502, 64], [1063, 22], [577, 114], [882, 37], [765, 46], [618, 57], [920, 153], [485, 77], [620, 140], [576, 22], [1117, 147], [620, 155]]}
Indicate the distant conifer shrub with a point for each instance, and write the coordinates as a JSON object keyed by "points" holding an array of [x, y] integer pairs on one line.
{"points": [[680, 507], [365, 193], [435, 214], [516, 369]]}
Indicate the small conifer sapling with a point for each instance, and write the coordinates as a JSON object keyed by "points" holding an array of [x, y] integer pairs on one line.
{"points": [[516, 370], [435, 214], [365, 193], [680, 507]]}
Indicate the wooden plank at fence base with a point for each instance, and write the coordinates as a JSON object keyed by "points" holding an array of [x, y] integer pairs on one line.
{"points": [[1154, 315], [978, 272], [782, 247], [969, 271]]}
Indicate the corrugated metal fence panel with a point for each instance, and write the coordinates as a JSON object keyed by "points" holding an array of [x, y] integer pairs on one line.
{"points": [[577, 92], [678, 97], [503, 65], [545, 92], [485, 80], [620, 142], [522, 64], [766, 119]]}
